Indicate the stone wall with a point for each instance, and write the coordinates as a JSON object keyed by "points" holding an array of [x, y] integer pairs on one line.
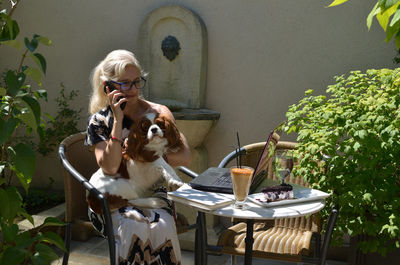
{"points": [[262, 55]]}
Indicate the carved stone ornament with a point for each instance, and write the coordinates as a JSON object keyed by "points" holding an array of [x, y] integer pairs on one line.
{"points": [[170, 47]]}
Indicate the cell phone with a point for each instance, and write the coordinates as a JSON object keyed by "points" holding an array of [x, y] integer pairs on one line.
{"points": [[111, 87]]}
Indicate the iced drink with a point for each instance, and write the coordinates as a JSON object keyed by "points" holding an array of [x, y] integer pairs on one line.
{"points": [[241, 181]]}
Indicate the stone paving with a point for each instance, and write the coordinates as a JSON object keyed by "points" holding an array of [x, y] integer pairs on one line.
{"points": [[95, 250]]}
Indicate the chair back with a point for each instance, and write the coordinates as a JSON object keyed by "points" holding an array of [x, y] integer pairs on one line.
{"points": [[250, 153], [84, 161], [289, 236]]}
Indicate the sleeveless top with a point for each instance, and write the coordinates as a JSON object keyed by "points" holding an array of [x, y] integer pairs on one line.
{"points": [[100, 125]]}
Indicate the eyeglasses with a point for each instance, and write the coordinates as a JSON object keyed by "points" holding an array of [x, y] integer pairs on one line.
{"points": [[125, 86]]}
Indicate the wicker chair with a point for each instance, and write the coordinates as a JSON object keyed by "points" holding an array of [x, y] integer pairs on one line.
{"points": [[79, 164], [290, 239]]}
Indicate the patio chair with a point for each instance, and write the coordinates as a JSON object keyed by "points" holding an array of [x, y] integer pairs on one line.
{"points": [[289, 239], [79, 165]]}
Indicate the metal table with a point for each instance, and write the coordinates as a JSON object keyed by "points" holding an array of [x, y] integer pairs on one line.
{"points": [[254, 212]]}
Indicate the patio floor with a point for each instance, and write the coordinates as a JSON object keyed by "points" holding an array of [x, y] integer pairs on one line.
{"points": [[95, 250]]}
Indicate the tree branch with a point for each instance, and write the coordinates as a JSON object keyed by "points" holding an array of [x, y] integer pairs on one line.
{"points": [[13, 6]]}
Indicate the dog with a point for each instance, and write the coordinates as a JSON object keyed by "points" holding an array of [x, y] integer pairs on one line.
{"points": [[143, 169]]}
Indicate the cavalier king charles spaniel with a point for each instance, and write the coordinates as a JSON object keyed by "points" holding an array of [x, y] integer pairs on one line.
{"points": [[143, 169]]}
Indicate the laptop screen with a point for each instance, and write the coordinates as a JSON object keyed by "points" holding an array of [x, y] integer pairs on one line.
{"points": [[261, 168]]}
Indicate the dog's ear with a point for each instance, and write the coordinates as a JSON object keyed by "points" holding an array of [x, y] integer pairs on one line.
{"points": [[172, 134], [136, 143], [132, 143], [123, 171]]}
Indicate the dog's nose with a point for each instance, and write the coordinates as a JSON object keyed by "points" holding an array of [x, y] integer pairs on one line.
{"points": [[154, 130]]}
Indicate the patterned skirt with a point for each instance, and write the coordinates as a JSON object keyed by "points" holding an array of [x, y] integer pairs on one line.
{"points": [[142, 236]]}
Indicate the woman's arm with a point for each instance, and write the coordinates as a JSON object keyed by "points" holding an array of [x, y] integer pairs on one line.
{"points": [[109, 153]]}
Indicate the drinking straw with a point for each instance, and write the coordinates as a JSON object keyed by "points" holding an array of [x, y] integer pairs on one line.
{"points": [[240, 157], [237, 157]]}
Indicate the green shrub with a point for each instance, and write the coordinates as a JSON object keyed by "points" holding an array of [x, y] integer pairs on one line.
{"points": [[20, 110], [357, 124], [64, 124]]}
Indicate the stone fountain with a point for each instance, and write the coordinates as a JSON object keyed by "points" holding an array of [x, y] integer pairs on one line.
{"points": [[173, 49]]}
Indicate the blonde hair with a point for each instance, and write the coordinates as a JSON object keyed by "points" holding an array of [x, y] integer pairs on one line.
{"points": [[111, 68]]}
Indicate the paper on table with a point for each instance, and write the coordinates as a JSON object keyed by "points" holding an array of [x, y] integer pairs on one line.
{"points": [[201, 199]]}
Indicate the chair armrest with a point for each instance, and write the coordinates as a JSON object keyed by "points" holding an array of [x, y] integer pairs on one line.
{"points": [[103, 200], [232, 156], [187, 171]]}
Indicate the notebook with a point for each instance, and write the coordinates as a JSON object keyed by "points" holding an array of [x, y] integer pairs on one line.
{"points": [[219, 179]]}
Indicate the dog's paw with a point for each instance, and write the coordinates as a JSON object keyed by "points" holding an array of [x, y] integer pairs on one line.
{"points": [[174, 184]]}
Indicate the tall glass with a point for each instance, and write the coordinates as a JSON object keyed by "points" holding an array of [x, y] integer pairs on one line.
{"points": [[241, 181], [283, 163]]}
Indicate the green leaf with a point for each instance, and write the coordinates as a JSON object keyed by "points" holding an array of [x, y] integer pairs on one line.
{"points": [[34, 107], [34, 74], [375, 10], [6, 129], [14, 43], [397, 40], [3, 91], [55, 239], [28, 118], [38, 260], [13, 256], [41, 93], [383, 17], [24, 240], [9, 232], [391, 30], [28, 217], [10, 205], [309, 92], [395, 18], [31, 45], [52, 221], [25, 161], [40, 61], [367, 197], [337, 2], [389, 3], [10, 29], [45, 252], [44, 40], [14, 82]]}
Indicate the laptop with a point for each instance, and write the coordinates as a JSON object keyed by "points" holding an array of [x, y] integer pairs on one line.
{"points": [[216, 179]]}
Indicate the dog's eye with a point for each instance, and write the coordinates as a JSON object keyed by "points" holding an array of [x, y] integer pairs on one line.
{"points": [[161, 125]]}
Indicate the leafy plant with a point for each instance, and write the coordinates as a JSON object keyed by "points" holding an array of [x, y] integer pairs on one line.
{"points": [[20, 109], [37, 199], [385, 11], [65, 123], [357, 124]]}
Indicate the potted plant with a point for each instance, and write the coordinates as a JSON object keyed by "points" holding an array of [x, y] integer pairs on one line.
{"points": [[356, 124], [21, 114]]}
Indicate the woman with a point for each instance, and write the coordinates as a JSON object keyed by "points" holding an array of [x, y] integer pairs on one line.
{"points": [[141, 234]]}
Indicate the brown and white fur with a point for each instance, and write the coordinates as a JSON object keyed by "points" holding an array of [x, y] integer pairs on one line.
{"points": [[143, 168]]}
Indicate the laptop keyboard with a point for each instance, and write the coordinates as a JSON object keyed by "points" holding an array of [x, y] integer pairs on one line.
{"points": [[224, 180]]}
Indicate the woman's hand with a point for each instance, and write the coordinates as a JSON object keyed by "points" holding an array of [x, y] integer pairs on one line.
{"points": [[115, 99], [109, 153]]}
